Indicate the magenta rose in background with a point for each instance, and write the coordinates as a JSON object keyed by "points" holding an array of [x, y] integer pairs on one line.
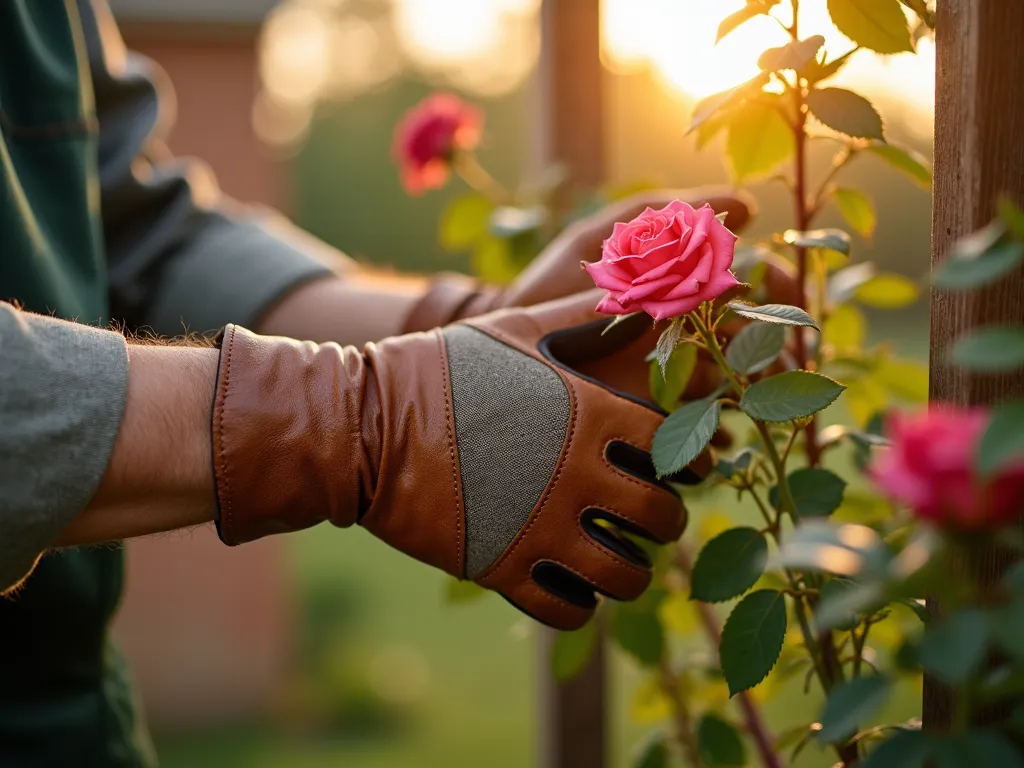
{"points": [[665, 262], [930, 468], [429, 135]]}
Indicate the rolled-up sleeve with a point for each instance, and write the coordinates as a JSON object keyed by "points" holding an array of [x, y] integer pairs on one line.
{"points": [[62, 395], [181, 256]]}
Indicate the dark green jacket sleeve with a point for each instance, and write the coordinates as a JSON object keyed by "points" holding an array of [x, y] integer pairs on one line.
{"points": [[181, 255]]}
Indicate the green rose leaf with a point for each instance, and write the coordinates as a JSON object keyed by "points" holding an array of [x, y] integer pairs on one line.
{"points": [[782, 314], [617, 320], [464, 222], [713, 104], [876, 24], [653, 753], [846, 112], [952, 650], [667, 343], [572, 650], [637, 629], [794, 55], [1007, 626], [790, 395], [983, 269], [752, 639], [728, 565], [462, 591], [833, 239], [907, 749], [991, 350], [508, 221], [839, 602], [979, 747], [668, 386], [846, 329], [909, 163], [844, 284], [759, 140], [851, 704], [1003, 441], [819, 70], [684, 435], [752, 9], [720, 744], [1011, 216], [857, 209], [817, 492], [887, 291], [755, 347]]}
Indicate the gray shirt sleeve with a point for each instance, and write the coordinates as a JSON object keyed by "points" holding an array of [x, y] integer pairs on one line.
{"points": [[180, 254], [62, 394]]}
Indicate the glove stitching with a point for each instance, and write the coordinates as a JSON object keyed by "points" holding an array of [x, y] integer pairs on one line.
{"points": [[226, 496], [451, 453]]}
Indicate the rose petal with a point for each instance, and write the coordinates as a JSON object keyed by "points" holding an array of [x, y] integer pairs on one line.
{"points": [[723, 245], [606, 276], [663, 310], [683, 288], [644, 290], [718, 285], [705, 259], [609, 306]]}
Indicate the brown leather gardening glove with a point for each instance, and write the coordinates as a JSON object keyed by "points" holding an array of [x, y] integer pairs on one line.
{"points": [[556, 271], [477, 448]]}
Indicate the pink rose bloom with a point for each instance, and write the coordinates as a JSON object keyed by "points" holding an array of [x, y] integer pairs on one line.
{"points": [[930, 468], [666, 262], [428, 136]]}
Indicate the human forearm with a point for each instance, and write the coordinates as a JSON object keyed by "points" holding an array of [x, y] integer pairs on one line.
{"points": [[159, 477]]}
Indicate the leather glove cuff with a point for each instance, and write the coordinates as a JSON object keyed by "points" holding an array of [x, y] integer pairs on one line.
{"points": [[451, 297], [295, 435]]}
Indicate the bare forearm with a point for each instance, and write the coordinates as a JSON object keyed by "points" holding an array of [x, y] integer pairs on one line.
{"points": [[361, 307], [160, 473]]}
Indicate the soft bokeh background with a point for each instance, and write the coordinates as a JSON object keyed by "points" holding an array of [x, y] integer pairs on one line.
{"points": [[325, 648]]}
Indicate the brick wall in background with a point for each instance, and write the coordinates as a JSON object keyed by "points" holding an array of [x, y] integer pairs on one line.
{"points": [[205, 627]]}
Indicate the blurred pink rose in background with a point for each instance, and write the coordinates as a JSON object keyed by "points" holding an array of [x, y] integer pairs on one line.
{"points": [[428, 136], [930, 468], [665, 262]]}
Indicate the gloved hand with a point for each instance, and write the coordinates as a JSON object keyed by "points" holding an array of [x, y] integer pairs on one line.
{"points": [[480, 448], [556, 271]]}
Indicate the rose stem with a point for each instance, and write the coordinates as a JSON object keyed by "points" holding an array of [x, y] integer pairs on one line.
{"points": [[756, 726]]}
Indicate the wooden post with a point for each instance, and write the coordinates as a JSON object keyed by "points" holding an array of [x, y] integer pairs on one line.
{"points": [[979, 154], [568, 128]]}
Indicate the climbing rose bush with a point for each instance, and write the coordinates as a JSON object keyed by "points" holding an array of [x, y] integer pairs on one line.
{"points": [[665, 262], [428, 138]]}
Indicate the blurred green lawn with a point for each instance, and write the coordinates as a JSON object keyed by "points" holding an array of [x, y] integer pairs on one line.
{"points": [[474, 666]]}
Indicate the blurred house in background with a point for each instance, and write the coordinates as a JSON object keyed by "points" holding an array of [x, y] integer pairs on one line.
{"points": [[207, 629]]}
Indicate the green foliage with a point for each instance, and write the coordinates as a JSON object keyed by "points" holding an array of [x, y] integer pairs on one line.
{"points": [[846, 112], [887, 291], [968, 271], [653, 753], [668, 386], [782, 314], [858, 210], [793, 55], [849, 705], [905, 161], [729, 565], [637, 629], [755, 347], [719, 743], [790, 395], [667, 343], [816, 492], [953, 649], [878, 25], [907, 749], [572, 650], [1003, 441], [991, 350], [684, 435], [464, 222], [759, 139], [463, 591], [751, 10], [752, 639], [832, 239]]}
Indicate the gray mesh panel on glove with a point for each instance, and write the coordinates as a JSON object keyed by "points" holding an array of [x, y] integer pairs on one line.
{"points": [[511, 413]]}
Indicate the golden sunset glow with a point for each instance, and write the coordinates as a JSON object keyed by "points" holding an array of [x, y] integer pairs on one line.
{"points": [[675, 39]]}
